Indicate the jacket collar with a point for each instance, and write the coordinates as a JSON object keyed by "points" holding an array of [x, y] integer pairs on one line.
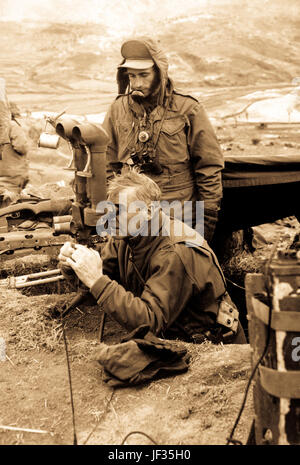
{"points": [[161, 228], [156, 113], [152, 235]]}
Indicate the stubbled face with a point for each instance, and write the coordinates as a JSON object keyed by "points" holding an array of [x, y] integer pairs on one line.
{"points": [[127, 208], [142, 81]]}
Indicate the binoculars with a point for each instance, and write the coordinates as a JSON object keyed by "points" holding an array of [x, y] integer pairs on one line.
{"points": [[88, 142], [148, 164]]}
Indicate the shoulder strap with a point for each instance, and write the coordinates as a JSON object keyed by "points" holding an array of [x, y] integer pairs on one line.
{"points": [[198, 245], [185, 95]]}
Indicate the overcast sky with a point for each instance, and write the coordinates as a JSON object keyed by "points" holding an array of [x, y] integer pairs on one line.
{"points": [[123, 17]]}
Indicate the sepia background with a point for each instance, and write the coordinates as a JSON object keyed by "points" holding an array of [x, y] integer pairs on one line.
{"points": [[241, 59], [59, 52]]}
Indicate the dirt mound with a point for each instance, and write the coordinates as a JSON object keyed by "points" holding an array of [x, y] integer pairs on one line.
{"points": [[198, 407]]}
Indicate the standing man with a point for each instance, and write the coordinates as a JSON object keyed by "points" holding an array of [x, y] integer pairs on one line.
{"points": [[13, 151], [163, 132]]}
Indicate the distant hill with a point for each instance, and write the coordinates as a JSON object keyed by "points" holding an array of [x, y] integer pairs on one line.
{"points": [[226, 44]]}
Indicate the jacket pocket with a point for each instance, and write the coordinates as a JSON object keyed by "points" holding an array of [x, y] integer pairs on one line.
{"points": [[123, 128], [173, 126], [172, 143]]}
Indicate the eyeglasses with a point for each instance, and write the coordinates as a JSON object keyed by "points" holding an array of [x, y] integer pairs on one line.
{"points": [[119, 208]]}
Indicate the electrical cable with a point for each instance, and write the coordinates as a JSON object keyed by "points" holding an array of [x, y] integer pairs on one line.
{"points": [[230, 439], [234, 284], [70, 383], [138, 432], [95, 427]]}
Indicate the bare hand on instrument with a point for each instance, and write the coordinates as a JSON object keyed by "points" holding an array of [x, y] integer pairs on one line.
{"points": [[86, 263], [66, 252]]}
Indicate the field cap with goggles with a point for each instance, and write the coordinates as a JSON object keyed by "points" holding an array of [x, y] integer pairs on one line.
{"points": [[136, 55]]}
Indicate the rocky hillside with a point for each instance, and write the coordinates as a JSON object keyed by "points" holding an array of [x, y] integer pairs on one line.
{"points": [[210, 45]]}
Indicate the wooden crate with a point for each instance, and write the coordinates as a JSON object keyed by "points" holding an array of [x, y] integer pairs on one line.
{"points": [[277, 379]]}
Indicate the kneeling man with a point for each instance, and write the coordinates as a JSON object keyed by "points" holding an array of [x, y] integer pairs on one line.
{"points": [[155, 270]]}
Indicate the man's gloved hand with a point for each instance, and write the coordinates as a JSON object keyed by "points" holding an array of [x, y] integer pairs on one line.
{"points": [[210, 221]]}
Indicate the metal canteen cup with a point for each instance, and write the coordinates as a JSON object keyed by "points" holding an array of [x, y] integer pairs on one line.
{"points": [[47, 140]]}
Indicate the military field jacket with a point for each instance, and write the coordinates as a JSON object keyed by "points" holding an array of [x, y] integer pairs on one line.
{"points": [[187, 147], [178, 285]]}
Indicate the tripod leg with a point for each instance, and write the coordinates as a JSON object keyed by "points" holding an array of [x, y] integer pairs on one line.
{"points": [[101, 329], [77, 300]]}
